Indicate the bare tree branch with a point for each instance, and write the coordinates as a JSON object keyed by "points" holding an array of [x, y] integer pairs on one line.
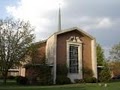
{"points": [[15, 39]]}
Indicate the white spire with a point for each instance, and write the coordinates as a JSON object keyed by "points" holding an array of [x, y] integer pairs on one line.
{"points": [[59, 18]]}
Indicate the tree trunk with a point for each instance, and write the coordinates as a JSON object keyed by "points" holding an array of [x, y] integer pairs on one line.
{"points": [[5, 77]]}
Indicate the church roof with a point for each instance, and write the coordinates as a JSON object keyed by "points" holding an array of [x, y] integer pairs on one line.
{"points": [[68, 30], [72, 29]]}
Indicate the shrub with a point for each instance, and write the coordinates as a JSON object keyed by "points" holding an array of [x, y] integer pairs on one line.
{"points": [[62, 80], [94, 80], [62, 69], [114, 80], [79, 81], [21, 80], [104, 75], [44, 76], [11, 77], [62, 72], [116, 77], [87, 72], [39, 74], [90, 80]]}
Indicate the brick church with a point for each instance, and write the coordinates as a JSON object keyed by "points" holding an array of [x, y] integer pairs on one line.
{"points": [[72, 47]]}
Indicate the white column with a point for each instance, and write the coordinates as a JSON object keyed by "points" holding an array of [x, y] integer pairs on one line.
{"points": [[94, 58], [55, 43]]}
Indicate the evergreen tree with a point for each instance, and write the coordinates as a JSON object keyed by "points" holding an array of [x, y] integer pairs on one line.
{"points": [[100, 55]]}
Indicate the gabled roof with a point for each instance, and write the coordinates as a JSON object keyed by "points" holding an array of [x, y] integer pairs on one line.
{"points": [[72, 29], [68, 30]]}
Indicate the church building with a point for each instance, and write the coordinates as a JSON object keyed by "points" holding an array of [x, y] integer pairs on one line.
{"points": [[74, 48]]}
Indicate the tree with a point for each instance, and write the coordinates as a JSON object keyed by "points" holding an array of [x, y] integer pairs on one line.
{"points": [[115, 59], [103, 70], [105, 74], [115, 52], [15, 39], [115, 68], [100, 55]]}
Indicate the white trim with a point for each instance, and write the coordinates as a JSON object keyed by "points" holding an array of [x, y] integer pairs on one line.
{"points": [[75, 28], [79, 52], [94, 59], [51, 54], [79, 75], [22, 73], [55, 42], [80, 59], [10, 70], [72, 29]]}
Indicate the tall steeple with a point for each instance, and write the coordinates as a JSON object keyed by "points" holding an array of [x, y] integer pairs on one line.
{"points": [[59, 18]]}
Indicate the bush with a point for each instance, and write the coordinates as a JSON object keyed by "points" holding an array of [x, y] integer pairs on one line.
{"points": [[114, 80], [21, 80], [116, 77], [79, 81], [62, 72], [62, 69], [90, 80], [94, 80], [62, 80], [39, 74], [104, 75], [87, 72], [11, 77], [45, 77]]}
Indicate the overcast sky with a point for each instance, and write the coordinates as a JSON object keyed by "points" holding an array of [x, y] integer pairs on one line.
{"points": [[100, 18]]}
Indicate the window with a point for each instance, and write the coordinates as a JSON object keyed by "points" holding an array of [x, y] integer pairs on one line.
{"points": [[73, 58]]}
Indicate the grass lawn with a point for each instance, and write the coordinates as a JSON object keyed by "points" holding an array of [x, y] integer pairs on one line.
{"points": [[111, 86]]}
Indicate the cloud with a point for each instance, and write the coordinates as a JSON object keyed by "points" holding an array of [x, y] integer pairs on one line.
{"points": [[104, 23], [90, 23], [37, 12], [43, 15], [100, 8], [99, 18]]}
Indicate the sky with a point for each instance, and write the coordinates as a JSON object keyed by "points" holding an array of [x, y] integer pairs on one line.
{"points": [[100, 18]]}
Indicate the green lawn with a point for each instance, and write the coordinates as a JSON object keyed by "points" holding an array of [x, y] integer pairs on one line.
{"points": [[111, 86]]}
